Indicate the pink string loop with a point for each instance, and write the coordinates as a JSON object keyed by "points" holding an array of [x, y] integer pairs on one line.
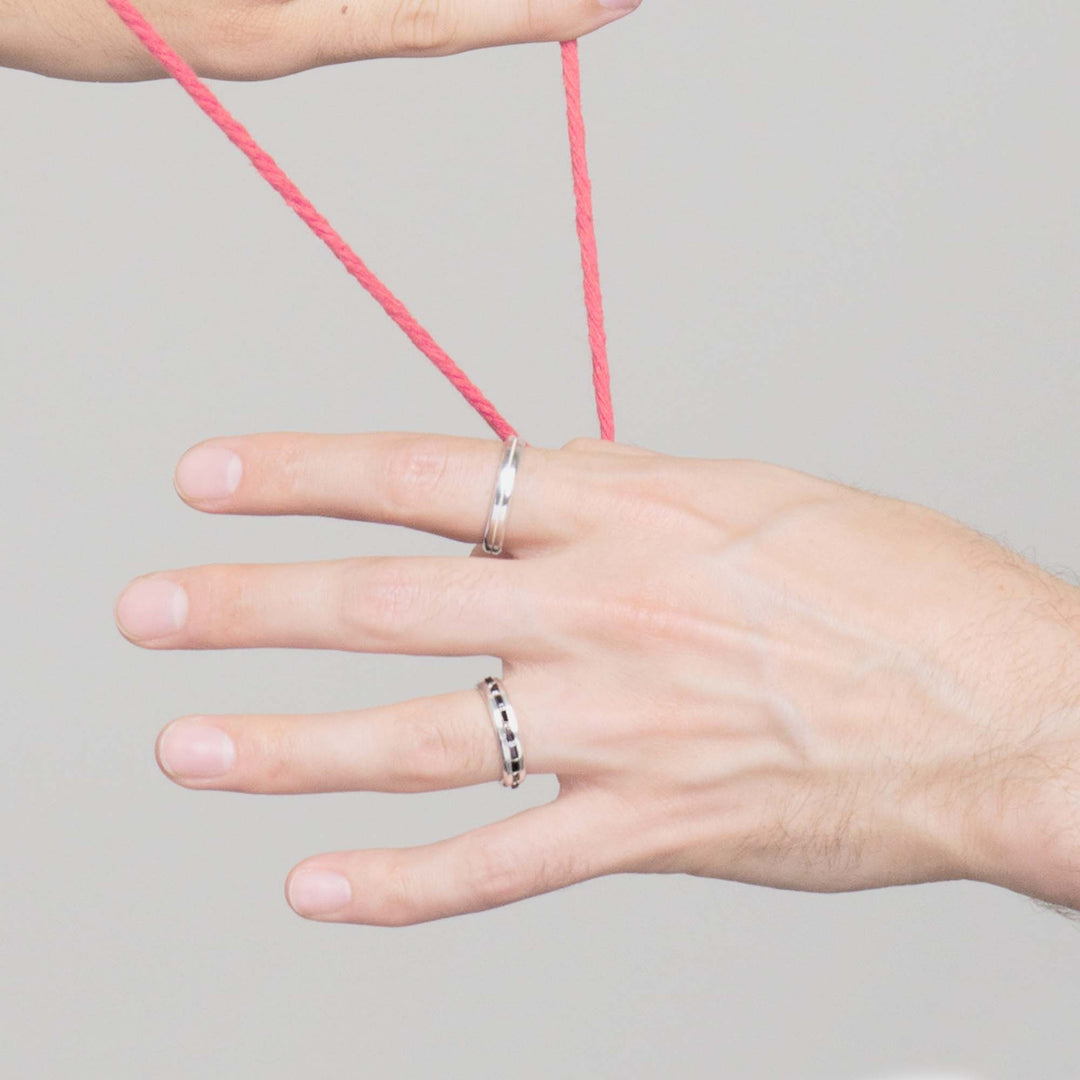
{"points": [[275, 176], [590, 265]]}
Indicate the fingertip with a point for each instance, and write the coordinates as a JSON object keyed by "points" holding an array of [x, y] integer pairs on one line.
{"points": [[207, 473], [620, 7], [193, 751], [316, 892], [150, 608], [157, 749]]}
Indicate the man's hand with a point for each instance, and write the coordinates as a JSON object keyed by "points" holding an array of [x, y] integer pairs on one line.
{"points": [[734, 670], [263, 39]]}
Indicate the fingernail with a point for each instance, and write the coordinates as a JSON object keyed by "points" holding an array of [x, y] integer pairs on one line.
{"points": [[151, 608], [620, 5], [193, 751], [208, 472], [318, 892]]}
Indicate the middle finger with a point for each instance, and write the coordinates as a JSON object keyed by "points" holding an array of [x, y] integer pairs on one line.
{"points": [[425, 605]]}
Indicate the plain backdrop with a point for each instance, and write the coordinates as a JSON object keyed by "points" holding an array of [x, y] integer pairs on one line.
{"points": [[840, 236]]}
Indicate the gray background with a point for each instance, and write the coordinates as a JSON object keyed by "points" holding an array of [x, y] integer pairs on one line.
{"points": [[838, 236]]}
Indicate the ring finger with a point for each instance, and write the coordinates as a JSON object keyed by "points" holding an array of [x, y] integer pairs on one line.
{"points": [[426, 744]]}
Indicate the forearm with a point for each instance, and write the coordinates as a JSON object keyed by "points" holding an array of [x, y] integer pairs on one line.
{"points": [[74, 39]]}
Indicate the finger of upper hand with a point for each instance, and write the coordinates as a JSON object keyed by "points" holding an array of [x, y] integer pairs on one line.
{"points": [[349, 30]]}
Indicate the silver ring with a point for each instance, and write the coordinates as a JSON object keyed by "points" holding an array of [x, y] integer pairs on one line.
{"points": [[506, 728], [495, 533]]}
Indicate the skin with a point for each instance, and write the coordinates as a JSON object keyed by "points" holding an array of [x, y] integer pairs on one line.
{"points": [[264, 39], [735, 671]]}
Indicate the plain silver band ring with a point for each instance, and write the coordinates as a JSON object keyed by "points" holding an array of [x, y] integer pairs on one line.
{"points": [[506, 728], [495, 533]]}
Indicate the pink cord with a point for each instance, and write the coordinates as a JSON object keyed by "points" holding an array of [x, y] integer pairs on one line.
{"points": [[590, 267], [238, 134]]}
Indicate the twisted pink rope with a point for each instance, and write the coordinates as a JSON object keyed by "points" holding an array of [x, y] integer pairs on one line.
{"points": [[590, 267], [295, 198]]}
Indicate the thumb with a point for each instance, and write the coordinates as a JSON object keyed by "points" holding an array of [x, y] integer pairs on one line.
{"points": [[361, 29]]}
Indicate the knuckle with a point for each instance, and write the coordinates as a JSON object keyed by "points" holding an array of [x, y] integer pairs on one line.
{"points": [[380, 599], [442, 750], [413, 469], [434, 751], [663, 497], [639, 616], [643, 615], [591, 444], [398, 901], [583, 443], [502, 872], [422, 26], [231, 594], [272, 752], [752, 472], [287, 467], [498, 874]]}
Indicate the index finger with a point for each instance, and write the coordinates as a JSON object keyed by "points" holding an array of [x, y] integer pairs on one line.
{"points": [[441, 484]]}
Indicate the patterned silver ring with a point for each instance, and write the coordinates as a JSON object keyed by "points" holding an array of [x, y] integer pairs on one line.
{"points": [[495, 532], [506, 729]]}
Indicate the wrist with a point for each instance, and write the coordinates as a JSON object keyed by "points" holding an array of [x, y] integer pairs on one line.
{"points": [[1025, 828]]}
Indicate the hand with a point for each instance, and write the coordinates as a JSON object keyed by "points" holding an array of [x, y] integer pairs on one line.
{"points": [[734, 670], [262, 39]]}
